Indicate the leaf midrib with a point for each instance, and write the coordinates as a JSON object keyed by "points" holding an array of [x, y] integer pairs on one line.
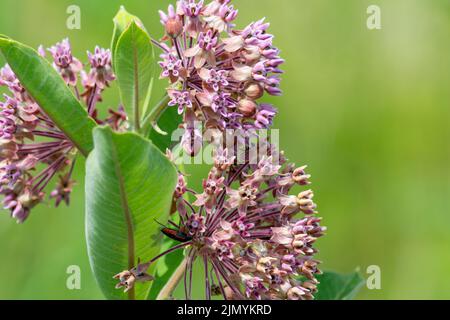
{"points": [[136, 83], [127, 215]]}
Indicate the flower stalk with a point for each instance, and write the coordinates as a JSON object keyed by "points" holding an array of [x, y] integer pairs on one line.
{"points": [[166, 292]]}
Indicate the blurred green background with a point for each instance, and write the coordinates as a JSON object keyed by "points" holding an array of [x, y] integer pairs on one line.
{"points": [[368, 111]]}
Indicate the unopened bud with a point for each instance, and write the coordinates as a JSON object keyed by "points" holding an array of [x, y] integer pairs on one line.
{"points": [[174, 27], [295, 293], [310, 286], [247, 107], [298, 244], [252, 54], [306, 195], [253, 91], [29, 200], [301, 177]]}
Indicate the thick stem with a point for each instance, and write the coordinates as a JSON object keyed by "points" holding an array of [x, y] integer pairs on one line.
{"points": [[169, 288]]}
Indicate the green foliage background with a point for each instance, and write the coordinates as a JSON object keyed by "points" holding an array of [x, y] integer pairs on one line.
{"points": [[368, 111]]}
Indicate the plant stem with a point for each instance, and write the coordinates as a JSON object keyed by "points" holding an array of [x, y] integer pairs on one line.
{"points": [[171, 285]]}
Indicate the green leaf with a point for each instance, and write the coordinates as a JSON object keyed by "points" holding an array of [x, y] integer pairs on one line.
{"points": [[334, 286], [50, 91], [129, 184], [121, 22], [165, 268], [134, 65], [168, 122], [168, 264]]}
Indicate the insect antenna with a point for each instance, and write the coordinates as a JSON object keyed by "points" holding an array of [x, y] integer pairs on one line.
{"points": [[162, 225], [170, 222], [174, 224]]}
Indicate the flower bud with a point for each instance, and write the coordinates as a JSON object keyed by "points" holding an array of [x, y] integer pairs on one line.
{"points": [[174, 27], [171, 22], [305, 202], [265, 265], [252, 54], [247, 107], [298, 245], [300, 177], [8, 149], [295, 293], [29, 200], [310, 286], [253, 90]]}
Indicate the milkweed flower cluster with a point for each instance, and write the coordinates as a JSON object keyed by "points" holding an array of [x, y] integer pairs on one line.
{"points": [[254, 238], [218, 73], [32, 148]]}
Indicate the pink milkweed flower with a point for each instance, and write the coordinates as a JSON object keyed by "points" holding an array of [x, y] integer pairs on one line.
{"points": [[215, 79], [222, 18], [21, 121], [63, 61], [203, 52], [212, 187], [249, 249], [33, 150], [254, 239], [172, 67], [182, 99], [127, 279], [101, 73], [171, 22], [208, 54]]}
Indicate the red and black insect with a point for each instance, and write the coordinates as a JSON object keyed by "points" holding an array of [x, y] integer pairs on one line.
{"points": [[175, 234]]}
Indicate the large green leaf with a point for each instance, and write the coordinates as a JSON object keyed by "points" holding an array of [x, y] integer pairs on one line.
{"points": [[165, 268], [121, 22], [134, 65], [334, 286], [49, 90], [129, 184]]}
